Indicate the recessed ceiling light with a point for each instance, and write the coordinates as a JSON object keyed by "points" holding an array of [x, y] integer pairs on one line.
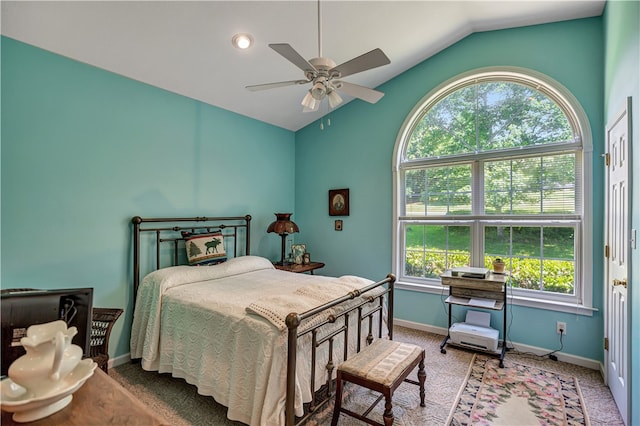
{"points": [[242, 40]]}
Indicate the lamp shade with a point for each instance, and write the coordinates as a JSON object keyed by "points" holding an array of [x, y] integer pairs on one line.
{"points": [[283, 224]]}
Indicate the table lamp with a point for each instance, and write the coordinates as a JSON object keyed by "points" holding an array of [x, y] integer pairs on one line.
{"points": [[283, 226]]}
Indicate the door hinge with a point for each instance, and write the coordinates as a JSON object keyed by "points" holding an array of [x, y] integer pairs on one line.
{"points": [[606, 251], [607, 159], [606, 343]]}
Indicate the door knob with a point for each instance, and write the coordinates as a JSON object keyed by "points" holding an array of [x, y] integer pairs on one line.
{"points": [[622, 282]]}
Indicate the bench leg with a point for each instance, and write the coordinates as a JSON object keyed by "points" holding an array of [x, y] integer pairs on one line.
{"points": [[388, 408], [422, 376], [337, 406]]}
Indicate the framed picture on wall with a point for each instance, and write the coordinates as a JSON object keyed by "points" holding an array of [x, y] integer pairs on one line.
{"points": [[339, 202]]}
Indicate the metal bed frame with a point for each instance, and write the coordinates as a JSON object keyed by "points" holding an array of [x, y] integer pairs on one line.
{"points": [[168, 232]]}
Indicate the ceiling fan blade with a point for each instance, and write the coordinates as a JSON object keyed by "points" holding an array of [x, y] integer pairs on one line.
{"points": [[357, 91], [292, 56], [366, 61], [256, 87]]}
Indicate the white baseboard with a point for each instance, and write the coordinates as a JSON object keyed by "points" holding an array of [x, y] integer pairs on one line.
{"points": [[119, 360], [571, 359], [419, 326]]}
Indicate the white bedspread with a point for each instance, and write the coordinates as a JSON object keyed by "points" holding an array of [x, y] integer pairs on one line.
{"points": [[275, 308], [192, 322]]}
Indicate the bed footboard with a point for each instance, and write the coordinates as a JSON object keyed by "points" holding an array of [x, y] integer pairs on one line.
{"points": [[365, 311]]}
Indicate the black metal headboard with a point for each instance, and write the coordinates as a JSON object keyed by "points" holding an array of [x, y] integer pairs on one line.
{"points": [[168, 232]]}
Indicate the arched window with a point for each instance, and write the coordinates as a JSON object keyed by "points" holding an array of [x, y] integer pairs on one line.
{"points": [[492, 165]]}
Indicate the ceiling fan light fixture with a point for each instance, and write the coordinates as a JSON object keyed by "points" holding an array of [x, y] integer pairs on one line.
{"points": [[310, 103], [318, 91], [334, 98], [242, 41], [322, 73]]}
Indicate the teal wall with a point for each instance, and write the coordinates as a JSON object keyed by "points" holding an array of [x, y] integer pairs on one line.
{"points": [[622, 79], [84, 150], [356, 152]]}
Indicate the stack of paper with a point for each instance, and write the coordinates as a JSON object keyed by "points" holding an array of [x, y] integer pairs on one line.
{"points": [[482, 303]]}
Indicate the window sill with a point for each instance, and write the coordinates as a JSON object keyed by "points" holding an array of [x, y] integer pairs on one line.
{"points": [[549, 305]]}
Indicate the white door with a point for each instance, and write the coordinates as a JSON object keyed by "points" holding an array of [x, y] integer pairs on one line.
{"points": [[617, 240]]}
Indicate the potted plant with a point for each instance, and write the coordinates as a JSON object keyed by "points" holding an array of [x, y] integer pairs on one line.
{"points": [[498, 265]]}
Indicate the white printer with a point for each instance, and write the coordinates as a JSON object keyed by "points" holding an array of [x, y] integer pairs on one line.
{"points": [[475, 332]]}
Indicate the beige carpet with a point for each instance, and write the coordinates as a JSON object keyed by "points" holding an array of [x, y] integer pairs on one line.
{"points": [[180, 404]]}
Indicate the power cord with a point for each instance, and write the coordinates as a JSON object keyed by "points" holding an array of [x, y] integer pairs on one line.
{"points": [[508, 326], [551, 355], [511, 347], [443, 297]]}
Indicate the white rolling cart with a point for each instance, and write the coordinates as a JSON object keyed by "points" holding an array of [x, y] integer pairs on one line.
{"points": [[488, 293]]}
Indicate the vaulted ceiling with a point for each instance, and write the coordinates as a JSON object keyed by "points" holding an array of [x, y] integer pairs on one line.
{"points": [[185, 47]]}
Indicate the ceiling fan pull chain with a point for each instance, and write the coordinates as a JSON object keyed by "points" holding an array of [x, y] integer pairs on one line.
{"points": [[328, 120], [328, 115]]}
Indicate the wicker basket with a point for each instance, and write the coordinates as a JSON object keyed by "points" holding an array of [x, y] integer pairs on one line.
{"points": [[101, 325]]}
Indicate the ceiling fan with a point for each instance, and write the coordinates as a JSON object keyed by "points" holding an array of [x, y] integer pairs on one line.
{"points": [[324, 75]]}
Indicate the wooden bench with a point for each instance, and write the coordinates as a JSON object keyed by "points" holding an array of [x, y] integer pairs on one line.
{"points": [[381, 367]]}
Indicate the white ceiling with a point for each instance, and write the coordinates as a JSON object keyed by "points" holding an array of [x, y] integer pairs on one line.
{"points": [[185, 47]]}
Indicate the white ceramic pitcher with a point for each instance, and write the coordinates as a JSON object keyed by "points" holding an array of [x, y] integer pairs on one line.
{"points": [[49, 359]]}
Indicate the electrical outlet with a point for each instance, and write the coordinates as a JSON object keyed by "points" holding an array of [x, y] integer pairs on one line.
{"points": [[561, 328]]}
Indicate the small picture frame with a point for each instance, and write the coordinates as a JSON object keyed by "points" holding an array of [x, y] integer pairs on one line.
{"points": [[339, 202], [338, 225], [298, 251]]}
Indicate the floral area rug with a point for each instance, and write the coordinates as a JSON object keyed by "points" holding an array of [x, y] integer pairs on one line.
{"points": [[517, 395]]}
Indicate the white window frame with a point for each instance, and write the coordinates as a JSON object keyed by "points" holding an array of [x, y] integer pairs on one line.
{"points": [[582, 302]]}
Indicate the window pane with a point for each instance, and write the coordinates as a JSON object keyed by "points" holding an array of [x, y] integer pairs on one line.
{"points": [[558, 183], [488, 117], [526, 241], [447, 129], [539, 257], [432, 249], [515, 142], [438, 191], [537, 185], [513, 115]]}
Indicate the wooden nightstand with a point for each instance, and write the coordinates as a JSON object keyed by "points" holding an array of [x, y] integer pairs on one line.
{"points": [[300, 268]]}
